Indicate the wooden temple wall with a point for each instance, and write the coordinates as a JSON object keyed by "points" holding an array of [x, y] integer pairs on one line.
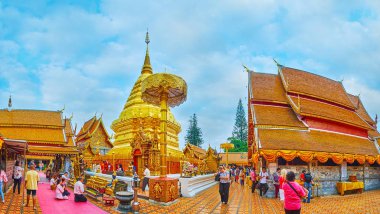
{"points": [[327, 176]]}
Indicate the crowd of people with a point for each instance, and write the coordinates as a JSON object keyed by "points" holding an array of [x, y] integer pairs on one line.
{"points": [[58, 183], [286, 188]]}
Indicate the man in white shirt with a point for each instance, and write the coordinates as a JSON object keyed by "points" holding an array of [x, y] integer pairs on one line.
{"points": [[263, 181], [66, 176], [79, 190], [146, 179]]}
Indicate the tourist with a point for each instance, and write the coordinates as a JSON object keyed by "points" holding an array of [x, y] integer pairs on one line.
{"points": [[263, 176], [120, 168], [79, 190], [146, 179], [247, 171], [3, 179], [281, 181], [17, 176], [276, 178], [224, 185], [241, 177], [133, 167], [308, 185], [48, 172], [60, 190], [66, 176], [31, 180], [237, 172], [253, 179], [232, 173], [41, 166], [53, 182], [64, 185], [293, 193], [302, 177]]}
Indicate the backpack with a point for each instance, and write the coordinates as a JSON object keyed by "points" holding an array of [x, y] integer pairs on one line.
{"points": [[217, 177], [276, 177], [308, 178]]}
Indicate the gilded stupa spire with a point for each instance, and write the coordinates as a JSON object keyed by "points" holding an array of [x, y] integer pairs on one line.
{"points": [[147, 68]]}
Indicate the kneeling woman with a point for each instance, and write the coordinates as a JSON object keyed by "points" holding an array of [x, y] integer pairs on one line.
{"points": [[59, 191]]}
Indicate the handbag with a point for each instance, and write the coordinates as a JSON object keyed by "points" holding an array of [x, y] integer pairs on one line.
{"points": [[301, 197]]}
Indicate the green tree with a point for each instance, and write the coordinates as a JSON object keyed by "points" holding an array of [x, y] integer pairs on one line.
{"points": [[240, 146], [240, 131], [194, 133]]}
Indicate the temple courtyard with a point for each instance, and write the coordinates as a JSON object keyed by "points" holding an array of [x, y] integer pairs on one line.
{"points": [[241, 201]]}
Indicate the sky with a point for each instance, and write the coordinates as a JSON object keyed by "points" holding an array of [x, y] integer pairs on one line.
{"points": [[86, 55]]}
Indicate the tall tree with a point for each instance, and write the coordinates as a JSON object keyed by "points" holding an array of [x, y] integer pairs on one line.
{"points": [[194, 133], [240, 131]]}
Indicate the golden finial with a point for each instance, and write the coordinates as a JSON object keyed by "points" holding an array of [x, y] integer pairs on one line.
{"points": [[147, 37], [147, 68]]}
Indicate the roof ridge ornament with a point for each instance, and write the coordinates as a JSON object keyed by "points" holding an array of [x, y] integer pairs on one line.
{"points": [[376, 119], [64, 106], [278, 64], [10, 102], [247, 69]]}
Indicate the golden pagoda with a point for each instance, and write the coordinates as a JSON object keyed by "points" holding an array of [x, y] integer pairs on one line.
{"points": [[141, 120]]}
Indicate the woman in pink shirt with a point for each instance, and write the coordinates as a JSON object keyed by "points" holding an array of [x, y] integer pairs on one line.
{"points": [[3, 179], [293, 193], [253, 179]]}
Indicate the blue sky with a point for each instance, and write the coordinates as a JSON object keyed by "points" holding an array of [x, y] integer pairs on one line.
{"points": [[87, 55]]}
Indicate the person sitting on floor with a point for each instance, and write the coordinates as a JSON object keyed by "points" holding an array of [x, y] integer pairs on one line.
{"points": [[53, 182], [64, 185], [59, 191], [79, 190], [66, 176]]}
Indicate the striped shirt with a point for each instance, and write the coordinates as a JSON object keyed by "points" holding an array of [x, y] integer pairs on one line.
{"points": [[226, 176]]}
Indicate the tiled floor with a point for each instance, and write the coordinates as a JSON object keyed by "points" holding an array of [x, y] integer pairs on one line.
{"points": [[13, 204], [241, 201]]}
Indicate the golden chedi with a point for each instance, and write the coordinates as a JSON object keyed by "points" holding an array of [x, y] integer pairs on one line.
{"points": [[140, 118]]}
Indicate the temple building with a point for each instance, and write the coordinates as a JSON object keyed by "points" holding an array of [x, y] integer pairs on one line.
{"points": [[139, 122], [299, 120], [46, 135], [198, 156], [93, 139]]}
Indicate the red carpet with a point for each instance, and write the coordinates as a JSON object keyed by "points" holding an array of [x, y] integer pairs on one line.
{"points": [[49, 204]]}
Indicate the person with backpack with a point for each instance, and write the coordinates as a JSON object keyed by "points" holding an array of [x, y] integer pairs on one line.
{"points": [[302, 177], [308, 185], [276, 178], [224, 184], [263, 176]]}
